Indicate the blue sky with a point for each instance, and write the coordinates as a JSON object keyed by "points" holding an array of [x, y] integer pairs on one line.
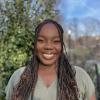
{"points": [[80, 8]]}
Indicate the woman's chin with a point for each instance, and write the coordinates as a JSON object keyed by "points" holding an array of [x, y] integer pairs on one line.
{"points": [[48, 63]]}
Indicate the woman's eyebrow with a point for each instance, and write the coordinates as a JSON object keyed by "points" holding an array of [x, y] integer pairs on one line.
{"points": [[40, 36], [57, 37]]}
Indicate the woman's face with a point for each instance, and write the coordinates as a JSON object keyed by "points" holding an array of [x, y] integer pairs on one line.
{"points": [[48, 46]]}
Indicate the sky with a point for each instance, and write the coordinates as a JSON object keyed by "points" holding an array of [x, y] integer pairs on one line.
{"points": [[79, 8]]}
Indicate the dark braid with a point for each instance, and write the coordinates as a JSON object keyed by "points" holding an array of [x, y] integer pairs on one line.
{"points": [[27, 82], [67, 88]]}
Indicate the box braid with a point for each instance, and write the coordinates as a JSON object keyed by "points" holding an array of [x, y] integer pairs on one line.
{"points": [[67, 88]]}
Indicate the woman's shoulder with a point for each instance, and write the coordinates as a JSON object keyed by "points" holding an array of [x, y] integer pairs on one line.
{"points": [[82, 75], [14, 79], [84, 82], [80, 71], [16, 76], [19, 71]]}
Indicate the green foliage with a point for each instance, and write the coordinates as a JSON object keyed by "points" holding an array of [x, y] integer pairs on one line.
{"points": [[19, 20]]}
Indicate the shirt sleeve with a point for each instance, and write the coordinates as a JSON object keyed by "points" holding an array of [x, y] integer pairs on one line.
{"points": [[12, 83], [9, 88], [85, 83], [89, 86]]}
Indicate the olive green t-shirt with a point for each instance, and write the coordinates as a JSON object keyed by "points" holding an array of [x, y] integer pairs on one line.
{"points": [[85, 85]]}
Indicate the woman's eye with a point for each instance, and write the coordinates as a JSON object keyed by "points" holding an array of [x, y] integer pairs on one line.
{"points": [[56, 41], [40, 40]]}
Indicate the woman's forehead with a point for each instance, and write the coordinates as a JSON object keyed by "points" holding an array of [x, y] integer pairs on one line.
{"points": [[49, 28]]}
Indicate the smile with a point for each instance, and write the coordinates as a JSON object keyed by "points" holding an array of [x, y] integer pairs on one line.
{"points": [[48, 56]]}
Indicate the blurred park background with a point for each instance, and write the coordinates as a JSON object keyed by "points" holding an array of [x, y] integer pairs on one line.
{"points": [[18, 19]]}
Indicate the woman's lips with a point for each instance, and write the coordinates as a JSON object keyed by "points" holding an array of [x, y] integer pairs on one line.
{"points": [[48, 56]]}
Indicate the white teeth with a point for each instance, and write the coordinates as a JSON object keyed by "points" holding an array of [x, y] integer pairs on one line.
{"points": [[48, 56]]}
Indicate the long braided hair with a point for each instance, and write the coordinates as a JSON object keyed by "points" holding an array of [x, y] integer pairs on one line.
{"points": [[67, 88]]}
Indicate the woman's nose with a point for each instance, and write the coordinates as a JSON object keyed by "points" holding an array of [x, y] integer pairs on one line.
{"points": [[48, 46]]}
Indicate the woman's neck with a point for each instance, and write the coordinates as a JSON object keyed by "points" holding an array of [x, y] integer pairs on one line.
{"points": [[47, 69], [48, 74]]}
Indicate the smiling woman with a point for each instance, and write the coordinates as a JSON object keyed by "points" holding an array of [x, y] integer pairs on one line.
{"points": [[48, 47], [49, 76]]}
